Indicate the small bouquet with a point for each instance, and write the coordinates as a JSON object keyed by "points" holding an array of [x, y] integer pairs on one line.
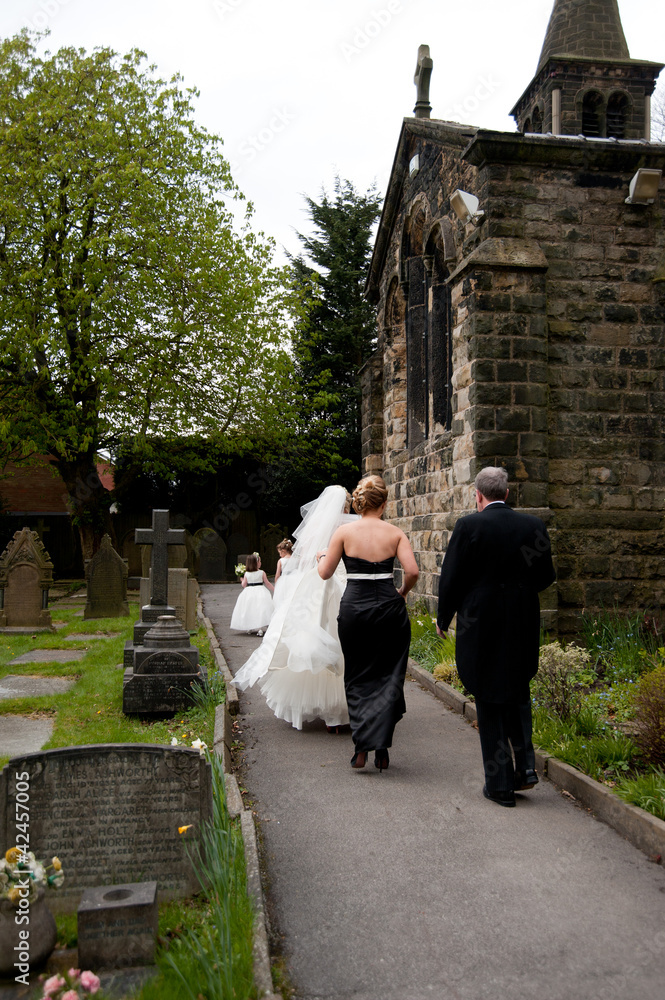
{"points": [[18, 866], [74, 985], [240, 569]]}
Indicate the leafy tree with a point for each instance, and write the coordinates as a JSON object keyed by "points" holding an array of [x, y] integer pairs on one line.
{"points": [[337, 332], [131, 307]]}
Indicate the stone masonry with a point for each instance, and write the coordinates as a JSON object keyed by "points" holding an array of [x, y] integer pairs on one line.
{"points": [[532, 337]]}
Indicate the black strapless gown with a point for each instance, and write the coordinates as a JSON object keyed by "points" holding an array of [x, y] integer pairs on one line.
{"points": [[375, 633]]}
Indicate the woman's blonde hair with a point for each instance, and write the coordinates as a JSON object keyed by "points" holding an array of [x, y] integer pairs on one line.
{"points": [[286, 545], [369, 494]]}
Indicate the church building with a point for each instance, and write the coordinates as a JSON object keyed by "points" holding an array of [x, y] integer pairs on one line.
{"points": [[519, 279]]}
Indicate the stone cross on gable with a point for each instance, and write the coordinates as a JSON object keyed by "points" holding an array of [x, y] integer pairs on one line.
{"points": [[423, 108], [160, 536]]}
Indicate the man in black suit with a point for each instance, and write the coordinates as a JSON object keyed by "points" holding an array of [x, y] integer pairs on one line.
{"points": [[496, 563]]}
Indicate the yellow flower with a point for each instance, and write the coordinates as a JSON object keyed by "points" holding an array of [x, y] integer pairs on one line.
{"points": [[14, 895], [181, 829], [12, 855], [57, 864]]}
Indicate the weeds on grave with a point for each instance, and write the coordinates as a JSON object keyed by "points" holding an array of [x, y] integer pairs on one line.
{"points": [[212, 957]]}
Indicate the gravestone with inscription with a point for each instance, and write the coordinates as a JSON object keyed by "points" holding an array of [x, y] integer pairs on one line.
{"points": [[164, 672], [110, 813], [106, 578], [117, 926], [26, 573]]}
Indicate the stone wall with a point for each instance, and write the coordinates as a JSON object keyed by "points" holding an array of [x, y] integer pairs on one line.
{"points": [[558, 360]]}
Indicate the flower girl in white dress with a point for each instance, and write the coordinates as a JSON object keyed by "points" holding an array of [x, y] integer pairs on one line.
{"points": [[253, 608], [299, 666]]}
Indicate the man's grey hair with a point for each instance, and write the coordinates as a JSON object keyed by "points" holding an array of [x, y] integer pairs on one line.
{"points": [[492, 482]]}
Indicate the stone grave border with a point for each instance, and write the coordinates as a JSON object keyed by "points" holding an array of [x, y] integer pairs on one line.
{"points": [[222, 747], [639, 827]]}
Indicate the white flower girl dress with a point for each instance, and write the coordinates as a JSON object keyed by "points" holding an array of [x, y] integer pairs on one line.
{"points": [[299, 666]]}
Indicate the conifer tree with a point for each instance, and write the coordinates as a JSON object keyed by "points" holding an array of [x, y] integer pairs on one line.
{"points": [[338, 332]]}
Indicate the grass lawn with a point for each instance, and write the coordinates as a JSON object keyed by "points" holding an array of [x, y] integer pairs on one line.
{"points": [[91, 711]]}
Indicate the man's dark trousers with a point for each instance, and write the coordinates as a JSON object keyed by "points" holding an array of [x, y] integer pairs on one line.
{"points": [[502, 727]]}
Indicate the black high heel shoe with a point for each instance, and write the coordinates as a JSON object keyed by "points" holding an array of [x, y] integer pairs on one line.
{"points": [[381, 760], [359, 759]]}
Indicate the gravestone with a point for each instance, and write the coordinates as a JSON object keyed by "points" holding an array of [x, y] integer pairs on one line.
{"points": [[271, 536], [183, 590], [211, 556], [110, 813], [132, 553], [106, 579], [159, 537], [117, 926], [26, 573], [163, 672]]}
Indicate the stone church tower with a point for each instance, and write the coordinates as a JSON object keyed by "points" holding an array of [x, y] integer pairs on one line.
{"points": [[586, 83], [519, 280]]}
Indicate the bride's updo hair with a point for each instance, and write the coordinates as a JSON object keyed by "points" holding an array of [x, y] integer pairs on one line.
{"points": [[369, 494]]}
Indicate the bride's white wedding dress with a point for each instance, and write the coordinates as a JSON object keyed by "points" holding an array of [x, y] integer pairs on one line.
{"points": [[299, 666]]}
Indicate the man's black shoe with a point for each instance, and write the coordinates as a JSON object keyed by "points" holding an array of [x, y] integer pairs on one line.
{"points": [[525, 780], [502, 798]]}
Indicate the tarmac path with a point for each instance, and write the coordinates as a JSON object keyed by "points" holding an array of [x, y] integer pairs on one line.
{"points": [[409, 885]]}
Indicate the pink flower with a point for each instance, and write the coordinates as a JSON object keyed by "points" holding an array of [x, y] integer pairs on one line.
{"points": [[53, 984], [70, 995], [74, 975], [89, 982]]}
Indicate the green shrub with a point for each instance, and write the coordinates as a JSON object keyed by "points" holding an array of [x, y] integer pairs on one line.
{"points": [[649, 700], [557, 684]]}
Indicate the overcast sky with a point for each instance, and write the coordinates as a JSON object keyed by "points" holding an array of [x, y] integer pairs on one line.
{"points": [[301, 90]]}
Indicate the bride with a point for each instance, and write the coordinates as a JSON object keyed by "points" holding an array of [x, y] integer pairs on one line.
{"points": [[299, 666]]}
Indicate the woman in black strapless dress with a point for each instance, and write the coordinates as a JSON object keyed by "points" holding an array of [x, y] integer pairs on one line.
{"points": [[373, 625]]}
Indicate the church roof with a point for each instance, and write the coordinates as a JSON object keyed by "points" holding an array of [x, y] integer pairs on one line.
{"points": [[588, 28]]}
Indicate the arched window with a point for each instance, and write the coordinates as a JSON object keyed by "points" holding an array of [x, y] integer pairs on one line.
{"points": [[395, 367], [439, 359], [414, 279], [617, 116], [527, 126], [592, 108], [537, 120]]}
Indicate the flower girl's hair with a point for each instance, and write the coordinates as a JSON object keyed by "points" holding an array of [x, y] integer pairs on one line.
{"points": [[369, 494], [251, 563], [286, 545]]}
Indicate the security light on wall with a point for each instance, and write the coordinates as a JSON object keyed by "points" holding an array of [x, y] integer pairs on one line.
{"points": [[465, 207], [644, 187]]}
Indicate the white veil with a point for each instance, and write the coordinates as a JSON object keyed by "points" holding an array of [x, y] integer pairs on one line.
{"points": [[320, 519], [302, 634]]}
